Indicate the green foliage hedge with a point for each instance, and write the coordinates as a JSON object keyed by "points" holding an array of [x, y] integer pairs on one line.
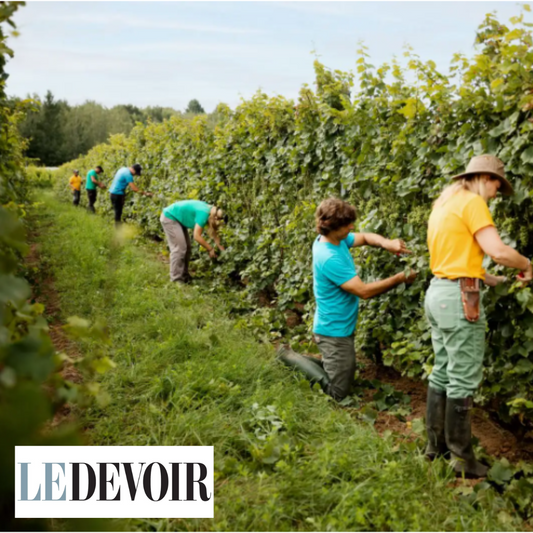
{"points": [[39, 177], [31, 388], [388, 147], [26, 353]]}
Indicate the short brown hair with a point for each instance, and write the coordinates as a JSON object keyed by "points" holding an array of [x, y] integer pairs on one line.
{"points": [[333, 214]]}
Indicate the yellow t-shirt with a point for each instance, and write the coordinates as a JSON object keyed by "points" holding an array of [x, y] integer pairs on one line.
{"points": [[75, 181], [454, 252]]}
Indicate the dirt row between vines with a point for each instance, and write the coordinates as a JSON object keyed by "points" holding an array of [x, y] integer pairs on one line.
{"points": [[497, 440], [44, 292]]}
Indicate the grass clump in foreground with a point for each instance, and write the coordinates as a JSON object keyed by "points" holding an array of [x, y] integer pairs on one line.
{"points": [[286, 458]]}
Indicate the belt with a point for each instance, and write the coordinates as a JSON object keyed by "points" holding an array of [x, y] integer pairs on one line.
{"points": [[456, 280]]}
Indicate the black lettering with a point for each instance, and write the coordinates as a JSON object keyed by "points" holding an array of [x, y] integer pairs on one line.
{"points": [[175, 481], [129, 478], [147, 481], [104, 481], [76, 482], [191, 481]]}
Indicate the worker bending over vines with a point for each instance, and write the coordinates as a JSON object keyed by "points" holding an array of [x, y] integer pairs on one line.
{"points": [[117, 192], [176, 220]]}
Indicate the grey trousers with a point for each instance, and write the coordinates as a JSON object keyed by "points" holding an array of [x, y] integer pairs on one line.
{"points": [[338, 358], [179, 243]]}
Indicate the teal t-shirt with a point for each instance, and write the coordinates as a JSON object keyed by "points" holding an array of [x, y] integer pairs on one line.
{"points": [[122, 179], [90, 186], [336, 310], [189, 212]]}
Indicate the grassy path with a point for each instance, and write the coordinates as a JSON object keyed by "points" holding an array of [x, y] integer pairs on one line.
{"points": [[286, 458]]}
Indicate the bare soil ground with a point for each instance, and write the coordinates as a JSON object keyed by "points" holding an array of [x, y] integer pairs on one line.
{"points": [[44, 292], [493, 437]]}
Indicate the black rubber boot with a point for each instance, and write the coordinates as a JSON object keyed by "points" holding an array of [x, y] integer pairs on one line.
{"points": [[458, 433], [435, 422], [309, 366]]}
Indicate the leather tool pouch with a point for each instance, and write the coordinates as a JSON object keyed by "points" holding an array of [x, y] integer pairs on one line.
{"points": [[470, 298]]}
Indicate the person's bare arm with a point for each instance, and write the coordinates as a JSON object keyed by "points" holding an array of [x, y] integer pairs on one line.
{"points": [[197, 235], [395, 246], [490, 242], [100, 184], [369, 290], [492, 281], [134, 188], [216, 238]]}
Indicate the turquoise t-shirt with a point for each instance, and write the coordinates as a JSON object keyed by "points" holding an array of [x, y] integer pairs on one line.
{"points": [[89, 185], [189, 212], [122, 178], [336, 310]]}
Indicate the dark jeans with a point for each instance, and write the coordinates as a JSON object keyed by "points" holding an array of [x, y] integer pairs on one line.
{"points": [[76, 197], [91, 196], [338, 358], [117, 201]]}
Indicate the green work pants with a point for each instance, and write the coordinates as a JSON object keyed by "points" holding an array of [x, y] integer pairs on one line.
{"points": [[459, 345]]}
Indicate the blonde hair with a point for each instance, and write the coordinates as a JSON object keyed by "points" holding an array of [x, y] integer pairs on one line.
{"points": [[475, 184], [216, 217]]}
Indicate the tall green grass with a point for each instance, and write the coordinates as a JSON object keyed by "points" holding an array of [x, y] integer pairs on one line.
{"points": [[286, 457]]}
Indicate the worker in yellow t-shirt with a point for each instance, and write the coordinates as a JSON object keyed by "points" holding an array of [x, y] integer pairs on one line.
{"points": [[460, 232], [75, 185]]}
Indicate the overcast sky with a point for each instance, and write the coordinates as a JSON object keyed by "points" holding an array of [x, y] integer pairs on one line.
{"points": [[166, 53]]}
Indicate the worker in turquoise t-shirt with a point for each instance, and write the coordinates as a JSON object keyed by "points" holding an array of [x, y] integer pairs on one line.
{"points": [[337, 288], [91, 186], [176, 220], [117, 192]]}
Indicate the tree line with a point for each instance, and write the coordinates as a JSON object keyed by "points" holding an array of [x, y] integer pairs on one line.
{"points": [[58, 132]]}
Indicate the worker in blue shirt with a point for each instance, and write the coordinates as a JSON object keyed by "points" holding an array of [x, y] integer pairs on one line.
{"points": [[117, 192], [337, 288]]}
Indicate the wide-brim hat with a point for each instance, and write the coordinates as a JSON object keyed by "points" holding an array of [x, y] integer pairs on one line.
{"points": [[488, 164]]}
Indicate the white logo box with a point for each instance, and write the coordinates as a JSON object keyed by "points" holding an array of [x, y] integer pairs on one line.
{"points": [[45, 474]]}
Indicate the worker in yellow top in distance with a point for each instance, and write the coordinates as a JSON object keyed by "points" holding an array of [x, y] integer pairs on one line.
{"points": [[75, 185]]}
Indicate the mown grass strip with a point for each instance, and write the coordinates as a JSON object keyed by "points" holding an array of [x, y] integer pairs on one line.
{"points": [[286, 458]]}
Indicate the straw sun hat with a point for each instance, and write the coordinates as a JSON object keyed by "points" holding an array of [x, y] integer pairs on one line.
{"points": [[487, 164]]}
